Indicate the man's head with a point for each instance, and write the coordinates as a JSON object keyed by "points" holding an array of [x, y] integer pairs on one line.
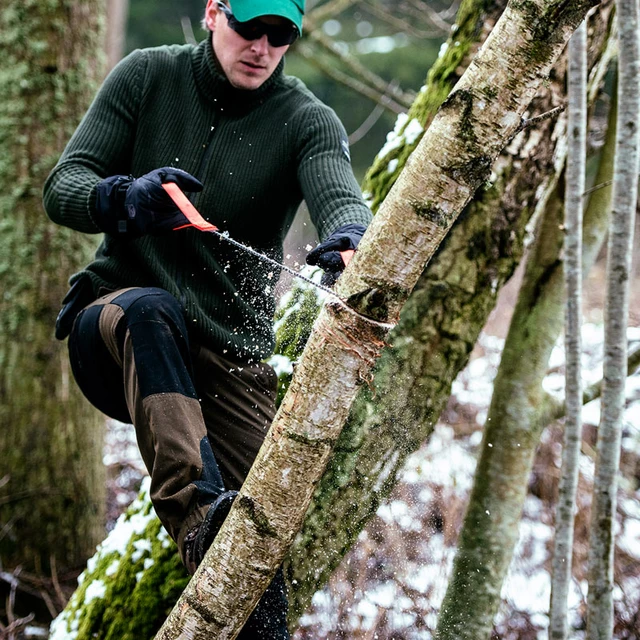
{"points": [[251, 36]]}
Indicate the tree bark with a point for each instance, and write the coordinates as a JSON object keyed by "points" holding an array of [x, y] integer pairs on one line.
{"points": [[515, 421], [620, 246], [573, 215], [451, 161], [52, 503], [439, 325]]}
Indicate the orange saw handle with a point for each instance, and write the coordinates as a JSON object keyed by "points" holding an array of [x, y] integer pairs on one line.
{"points": [[189, 211], [346, 256]]}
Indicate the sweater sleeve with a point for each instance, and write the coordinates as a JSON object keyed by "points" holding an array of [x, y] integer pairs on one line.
{"points": [[101, 146], [325, 175]]}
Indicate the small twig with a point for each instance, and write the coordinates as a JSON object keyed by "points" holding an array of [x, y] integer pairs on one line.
{"points": [[602, 185], [349, 81], [555, 409], [404, 25], [436, 15], [532, 122], [328, 10], [358, 69], [62, 601], [7, 527], [367, 125], [15, 626], [53, 612]]}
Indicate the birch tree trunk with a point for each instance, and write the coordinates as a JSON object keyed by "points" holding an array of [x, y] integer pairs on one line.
{"points": [[451, 161], [620, 245], [518, 413], [576, 164], [52, 497], [440, 323]]}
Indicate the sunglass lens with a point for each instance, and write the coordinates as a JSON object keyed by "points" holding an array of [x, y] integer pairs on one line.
{"points": [[278, 35]]}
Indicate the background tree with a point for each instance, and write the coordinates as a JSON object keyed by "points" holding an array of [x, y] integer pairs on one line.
{"points": [[572, 268], [625, 201], [51, 476], [517, 415]]}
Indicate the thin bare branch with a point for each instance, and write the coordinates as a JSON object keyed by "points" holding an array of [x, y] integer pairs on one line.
{"points": [[350, 81], [187, 30], [405, 25], [597, 187], [363, 74], [556, 409], [327, 10], [532, 122], [436, 16], [367, 125]]}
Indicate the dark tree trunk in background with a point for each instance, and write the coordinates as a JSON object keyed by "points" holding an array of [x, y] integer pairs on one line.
{"points": [[52, 491]]}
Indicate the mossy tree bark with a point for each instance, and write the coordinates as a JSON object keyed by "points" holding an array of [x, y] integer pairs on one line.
{"points": [[519, 411], [452, 160], [52, 492]]}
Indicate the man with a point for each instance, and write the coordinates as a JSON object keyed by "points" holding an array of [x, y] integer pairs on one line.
{"points": [[168, 325]]}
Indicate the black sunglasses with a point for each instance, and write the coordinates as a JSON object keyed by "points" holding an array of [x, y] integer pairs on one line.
{"points": [[278, 35]]}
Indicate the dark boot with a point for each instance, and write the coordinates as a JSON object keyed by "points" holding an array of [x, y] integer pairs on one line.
{"points": [[269, 619], [199, 539]]}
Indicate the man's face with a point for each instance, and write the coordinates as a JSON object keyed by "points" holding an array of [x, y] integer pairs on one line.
{"points": [[246, 63]]}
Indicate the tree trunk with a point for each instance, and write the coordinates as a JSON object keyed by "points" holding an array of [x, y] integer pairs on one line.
{"points": [[573, 215], [53, 491], [117, 13], [516, 418], [625, 199], [451, 161], [439, 325]]}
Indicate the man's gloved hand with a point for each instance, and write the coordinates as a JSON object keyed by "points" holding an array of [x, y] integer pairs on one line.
{"points": [[135, 207], [327, 254]]}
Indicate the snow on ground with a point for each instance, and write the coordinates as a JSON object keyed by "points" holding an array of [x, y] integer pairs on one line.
{"points": [[406, 564]]}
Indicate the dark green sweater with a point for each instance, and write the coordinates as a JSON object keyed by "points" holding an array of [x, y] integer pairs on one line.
{"points": [[258, 154]]}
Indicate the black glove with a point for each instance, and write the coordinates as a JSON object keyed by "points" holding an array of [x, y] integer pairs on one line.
{"points": [[327, 254], [135, 207]]}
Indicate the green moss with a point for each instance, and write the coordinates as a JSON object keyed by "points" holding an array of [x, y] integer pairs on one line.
{"points": [[126, 596], [431, 212], [294, 320]]}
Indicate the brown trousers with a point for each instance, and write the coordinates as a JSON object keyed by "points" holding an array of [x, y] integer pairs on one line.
{"points": [[200, 417]]}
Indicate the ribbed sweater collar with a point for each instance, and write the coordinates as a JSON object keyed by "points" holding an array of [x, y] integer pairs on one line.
{"points": [[215, 86]]}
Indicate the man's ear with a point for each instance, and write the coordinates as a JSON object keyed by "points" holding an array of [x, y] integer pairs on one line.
{"points": [[211, 14]]}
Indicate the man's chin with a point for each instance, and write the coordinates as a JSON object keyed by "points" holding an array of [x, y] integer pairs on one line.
{"points": [[247, 82]]}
